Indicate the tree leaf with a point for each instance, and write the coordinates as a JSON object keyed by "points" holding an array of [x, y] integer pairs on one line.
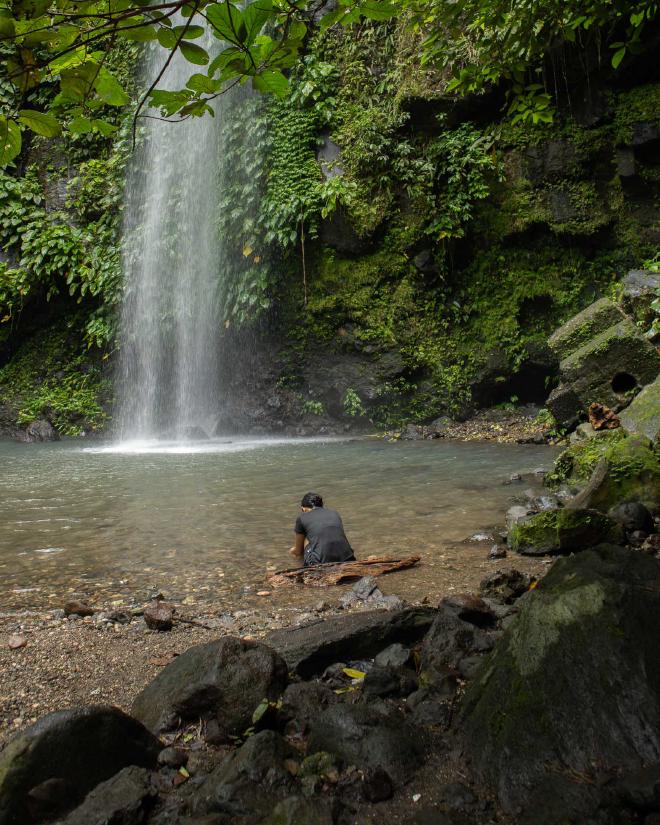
{"points": [[255, 17], [618, 56], [377, 9], [271, 81], [227, 21], [10, 140], [80, 125], [194, 54], [42, 123], [166, 38], [109, 89], [353, 674]]}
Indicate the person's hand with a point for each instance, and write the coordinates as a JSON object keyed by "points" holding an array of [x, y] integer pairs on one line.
{"points": [[292, 552]]}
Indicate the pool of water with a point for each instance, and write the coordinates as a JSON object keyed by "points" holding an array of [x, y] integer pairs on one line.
{"points": [[205, 521]]}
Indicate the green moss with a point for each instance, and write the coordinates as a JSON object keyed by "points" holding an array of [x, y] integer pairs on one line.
{"points": [[51, 377], [561, 531], [577, 463], [637, 105]]}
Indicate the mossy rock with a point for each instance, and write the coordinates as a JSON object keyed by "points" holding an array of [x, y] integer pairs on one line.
{"points": [[562, 531], [593, 320], [572, 691], [643, 415], [628, 471], [575, 465]]}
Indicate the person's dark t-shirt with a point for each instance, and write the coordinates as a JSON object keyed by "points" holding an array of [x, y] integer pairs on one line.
{"points": [[324, 531]]}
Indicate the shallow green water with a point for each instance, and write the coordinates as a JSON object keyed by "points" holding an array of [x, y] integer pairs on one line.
{"points": [[209, 519]]}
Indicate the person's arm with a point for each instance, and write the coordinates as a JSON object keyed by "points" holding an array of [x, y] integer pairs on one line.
{"points": [[298, 549]]}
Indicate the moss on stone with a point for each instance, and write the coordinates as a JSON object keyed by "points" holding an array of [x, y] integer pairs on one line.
{"points": [[562, 531], [643, 414], [575, 333]]}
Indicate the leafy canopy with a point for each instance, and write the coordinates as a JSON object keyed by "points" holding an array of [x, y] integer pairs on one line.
{"points": [[65, 43]]}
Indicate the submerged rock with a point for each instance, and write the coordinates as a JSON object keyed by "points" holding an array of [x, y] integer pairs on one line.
{"points": [[223, 680], [572, 690], [562, 530], [79, 748]]}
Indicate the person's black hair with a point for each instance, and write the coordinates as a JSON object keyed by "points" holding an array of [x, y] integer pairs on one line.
{"points": [[311, 500]]}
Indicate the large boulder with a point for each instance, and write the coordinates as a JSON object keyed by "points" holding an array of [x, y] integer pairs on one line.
{"points": [[369, 736], [571, 694], [643, 414], [124, 799], [562, 530], [310, 649], [224, 680], [39, 430], [640, 288], [628, 470], [249, 781], [603, 358], [52, 765]]}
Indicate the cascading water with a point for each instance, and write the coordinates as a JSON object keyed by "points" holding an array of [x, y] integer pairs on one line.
{"points": [[173, 262]]}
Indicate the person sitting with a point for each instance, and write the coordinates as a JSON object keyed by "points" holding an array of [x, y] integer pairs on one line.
{"points": [[320, 536]]}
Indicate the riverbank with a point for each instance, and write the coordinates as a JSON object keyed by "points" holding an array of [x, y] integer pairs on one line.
{"points": [[92, 660]]}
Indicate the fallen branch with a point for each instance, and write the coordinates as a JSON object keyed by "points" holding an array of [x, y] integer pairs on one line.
{"points": [[325, 575]]}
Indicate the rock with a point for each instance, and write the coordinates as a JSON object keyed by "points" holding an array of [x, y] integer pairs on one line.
{"points": [[596, 318], [632, 516], [297, 810], [80, 747], [224, 680], [38, 431], [497, 551], [603, 418], [573, 686], [124, 799], [643, 414], [434, 709], [75, 608], [628, 470], [505, 586], [376, 785], [16, 642], [641, 788], [583, 432], [366, 587], [369, 736], [449, 640], [604, 357], [639, 291], [395, 655], [389, 681], [172, 757], [45, 800], [412, 432], [311, 649], [159, 615], [637, 538], [515, 514], [248, 780], [302, 701], [562, 530], [470, 608]]}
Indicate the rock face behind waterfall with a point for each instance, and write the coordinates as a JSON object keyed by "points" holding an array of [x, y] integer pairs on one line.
{"points": [[570, 698]]}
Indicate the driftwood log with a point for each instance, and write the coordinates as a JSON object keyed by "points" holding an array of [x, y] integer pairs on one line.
{"points": [[324, 575]]}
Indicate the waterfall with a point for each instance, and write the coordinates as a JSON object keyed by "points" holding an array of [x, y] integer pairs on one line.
{"points": [[173, 265]]}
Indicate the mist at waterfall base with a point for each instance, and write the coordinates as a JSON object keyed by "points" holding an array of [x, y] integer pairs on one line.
{"points": [[168, 385]]}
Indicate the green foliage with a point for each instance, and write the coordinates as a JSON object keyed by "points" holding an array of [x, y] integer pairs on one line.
{"points": [[352, 403], [482, 43], [313, 407], [49, 377]]}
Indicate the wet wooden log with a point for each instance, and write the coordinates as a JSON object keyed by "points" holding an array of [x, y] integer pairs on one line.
{"points": [[325, 575]]}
